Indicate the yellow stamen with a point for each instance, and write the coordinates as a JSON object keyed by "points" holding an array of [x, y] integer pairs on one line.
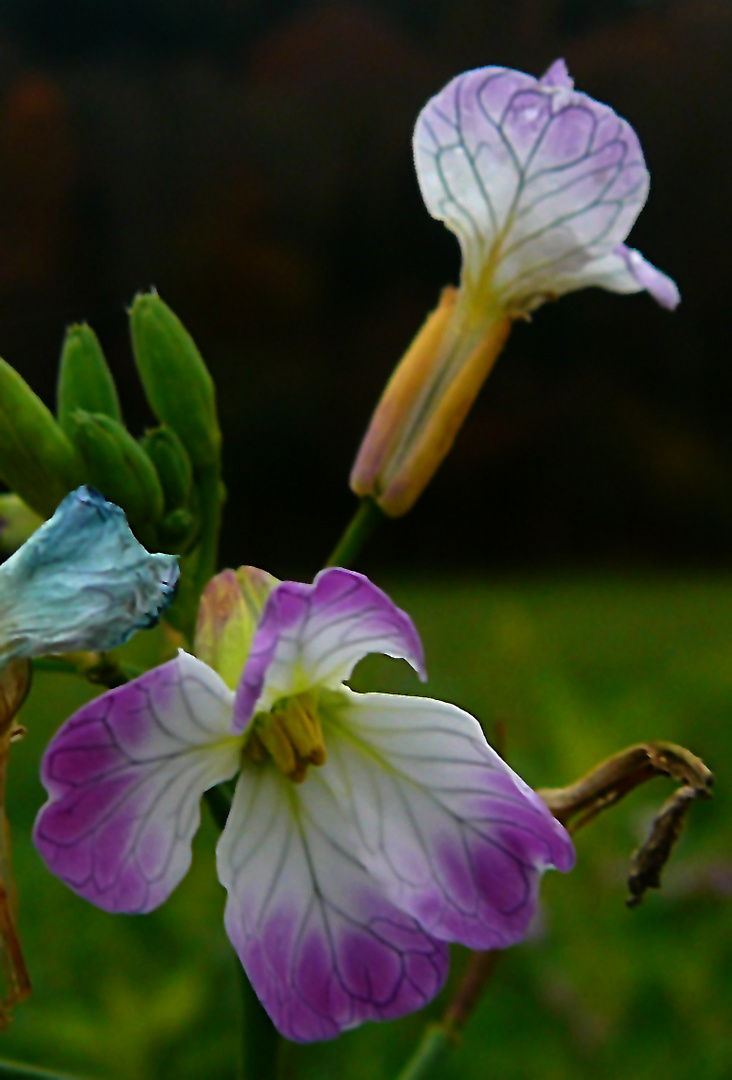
{"points": [[291, 734]]}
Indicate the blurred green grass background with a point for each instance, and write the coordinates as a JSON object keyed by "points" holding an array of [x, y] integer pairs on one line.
{"points": [[572, 669]]}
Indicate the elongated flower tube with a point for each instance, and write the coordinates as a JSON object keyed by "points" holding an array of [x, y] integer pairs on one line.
{"points": [[541, 185], [81, 581], [366, 830]]}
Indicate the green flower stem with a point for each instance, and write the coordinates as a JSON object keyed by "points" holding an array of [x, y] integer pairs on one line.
{"points": [[428, 1060], [261, 1042], [430, 1056], [260, 1039], [218, 801], [208, 481], [363, 524]]}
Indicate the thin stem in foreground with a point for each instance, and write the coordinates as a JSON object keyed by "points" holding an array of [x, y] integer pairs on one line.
{"points": [[209, 489], [363, 524], [260, 1042]]}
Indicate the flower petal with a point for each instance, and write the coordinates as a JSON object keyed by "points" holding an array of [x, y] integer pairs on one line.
{"points": [[82, 581], [322, 947], [661, 287], [314, 635], [124, 777], [456, 838], [534, 178]]}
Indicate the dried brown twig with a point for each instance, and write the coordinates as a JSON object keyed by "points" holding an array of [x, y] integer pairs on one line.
{"points": [[610, 781]]}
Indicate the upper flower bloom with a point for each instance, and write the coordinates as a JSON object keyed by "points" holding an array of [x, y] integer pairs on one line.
{"points": [[366, 830], [81, 581], [541, 186]]}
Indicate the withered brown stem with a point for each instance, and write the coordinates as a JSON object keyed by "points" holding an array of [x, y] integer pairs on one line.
{"points": [[608, 782]]}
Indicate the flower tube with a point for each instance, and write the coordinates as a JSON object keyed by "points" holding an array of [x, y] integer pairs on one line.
{"points": [[541, 185], [366, 831]]}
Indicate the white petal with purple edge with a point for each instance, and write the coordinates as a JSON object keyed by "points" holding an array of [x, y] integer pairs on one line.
{"points": [[455, 837], [314, 635], [537, 181], [322, 946], [125, 775]]}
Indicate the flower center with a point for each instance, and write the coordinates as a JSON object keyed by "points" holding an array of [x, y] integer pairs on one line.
{"points": [[290, 734]]}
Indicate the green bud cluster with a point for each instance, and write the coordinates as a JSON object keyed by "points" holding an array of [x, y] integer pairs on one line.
{"points": [[168, 480]]}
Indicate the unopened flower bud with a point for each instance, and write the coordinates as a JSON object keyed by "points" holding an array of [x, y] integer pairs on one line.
{"points": [[231, 605], [118, 466], [172, 464], [177, 530], [84, 379], [176, 380], [37, 460]]}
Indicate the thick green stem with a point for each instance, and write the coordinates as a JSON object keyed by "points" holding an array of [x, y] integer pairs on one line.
{"points": [[363, 524], [260, 1040], [218, 801]]}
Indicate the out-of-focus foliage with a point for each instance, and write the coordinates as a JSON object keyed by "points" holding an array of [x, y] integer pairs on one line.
{"points": [[252, 161], [573, 670]]}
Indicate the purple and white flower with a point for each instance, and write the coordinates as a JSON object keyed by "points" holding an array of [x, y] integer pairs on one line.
{"points": [[541, 185], [366, 830]]}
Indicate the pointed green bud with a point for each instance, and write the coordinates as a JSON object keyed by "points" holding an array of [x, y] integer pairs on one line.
{"points": [[36, 459], [172, 463], [84, 379], [176, 380], [118, 466]]}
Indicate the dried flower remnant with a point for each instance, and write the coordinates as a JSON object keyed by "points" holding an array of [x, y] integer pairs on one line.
{"points": [[366, 830], [541, 185], [81, 581]]}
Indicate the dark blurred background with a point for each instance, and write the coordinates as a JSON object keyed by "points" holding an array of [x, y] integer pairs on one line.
{"points": [[253, 162]]}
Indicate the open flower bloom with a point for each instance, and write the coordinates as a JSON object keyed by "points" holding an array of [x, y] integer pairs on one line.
{"points": [[81, 581], [366, 830], [541, 185]]}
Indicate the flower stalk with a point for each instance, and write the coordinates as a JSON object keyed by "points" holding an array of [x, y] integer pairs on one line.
{"points": [[358, 532]]}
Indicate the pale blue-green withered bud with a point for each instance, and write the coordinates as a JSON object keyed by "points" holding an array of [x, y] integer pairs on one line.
{"points": [[81, 582], [117, 465], [84, 379], [172, 464], [37, 460], [176, 380], [17, 522]]}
